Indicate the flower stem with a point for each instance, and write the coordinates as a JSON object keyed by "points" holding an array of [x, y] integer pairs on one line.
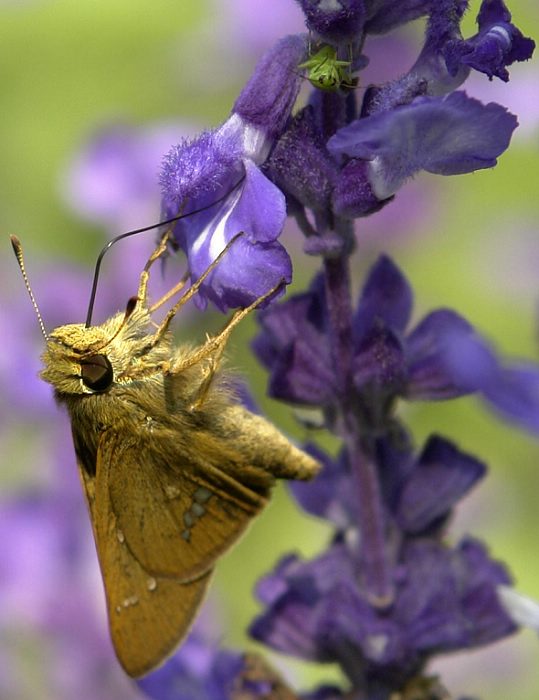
{"points": [[375, 568], [374, 564]]}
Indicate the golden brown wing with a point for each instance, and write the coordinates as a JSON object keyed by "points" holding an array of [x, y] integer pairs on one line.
{"points": [[164, 508], [177, 513], [148, 614]]}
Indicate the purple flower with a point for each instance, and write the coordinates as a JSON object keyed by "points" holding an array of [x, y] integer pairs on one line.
{"points": [[445, 600], [200, 671], [415, 122], [497, 44], [420, 492], [442, 357], [446, 136], [511, 388], [296, 344], [390, 592], [225, 167]]}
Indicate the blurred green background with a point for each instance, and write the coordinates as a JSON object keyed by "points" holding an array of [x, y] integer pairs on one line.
{"points": [[472, 243]]}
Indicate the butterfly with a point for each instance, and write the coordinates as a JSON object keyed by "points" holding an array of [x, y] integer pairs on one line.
{"points": [[173, 467]]}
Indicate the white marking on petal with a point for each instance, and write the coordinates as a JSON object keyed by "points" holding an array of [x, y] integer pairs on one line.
{"points": [[338, 515], [329, 5], [256, 146], [201, 238], [352, 537], [254, 142], [233, 126], [218, 240], [215, 229], [522, 610], [502, 33], [376, 643], [378, 182]]}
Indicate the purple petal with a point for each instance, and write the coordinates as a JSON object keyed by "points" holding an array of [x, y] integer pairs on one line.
{"points": [[261, 209], [514, 392], [256, 262], [302, 375], [427, 605], [329, 495], [447, 136], [443, 475], [199, 671], [293, 344], [266, 101], [336, 23], [379, 368], [386, 299], [486, 618], [389, 14], [249, 272], [201, 170], [301, 165], [296, 620], [353, 195], [494, 13], [280, 325], [457, 606], [497, 45], [446, 358]]}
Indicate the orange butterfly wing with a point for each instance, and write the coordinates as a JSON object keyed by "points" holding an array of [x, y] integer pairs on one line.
{"points": [[159, 527]]}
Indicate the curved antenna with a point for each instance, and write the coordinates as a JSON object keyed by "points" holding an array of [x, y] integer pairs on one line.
{"points": [[17, 248], [142, 230]]}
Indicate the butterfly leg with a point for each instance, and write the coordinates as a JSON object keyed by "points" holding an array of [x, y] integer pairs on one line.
{"points": [[193, 289], [217, 343], [213, 362], [145, 275]]}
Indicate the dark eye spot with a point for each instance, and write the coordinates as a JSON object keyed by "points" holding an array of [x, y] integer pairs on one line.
{"points": [[96, 372]]}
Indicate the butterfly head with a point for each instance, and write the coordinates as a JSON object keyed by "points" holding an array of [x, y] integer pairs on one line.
{"points": [[81, 360]]}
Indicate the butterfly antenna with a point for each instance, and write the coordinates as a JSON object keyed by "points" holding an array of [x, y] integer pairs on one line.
{"points": [[143, 230], [17, 248]]}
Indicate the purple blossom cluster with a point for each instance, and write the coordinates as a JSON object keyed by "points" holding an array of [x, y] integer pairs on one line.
{"points": [[391, 591]]}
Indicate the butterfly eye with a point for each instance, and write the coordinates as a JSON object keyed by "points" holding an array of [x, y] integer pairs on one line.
{"points": [[96, 372]]}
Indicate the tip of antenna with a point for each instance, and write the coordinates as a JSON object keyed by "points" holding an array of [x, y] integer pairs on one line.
{"points": [[15, 242], [17, 247]]}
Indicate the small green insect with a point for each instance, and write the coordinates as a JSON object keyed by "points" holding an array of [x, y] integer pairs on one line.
{"points": [[327, 72]]}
